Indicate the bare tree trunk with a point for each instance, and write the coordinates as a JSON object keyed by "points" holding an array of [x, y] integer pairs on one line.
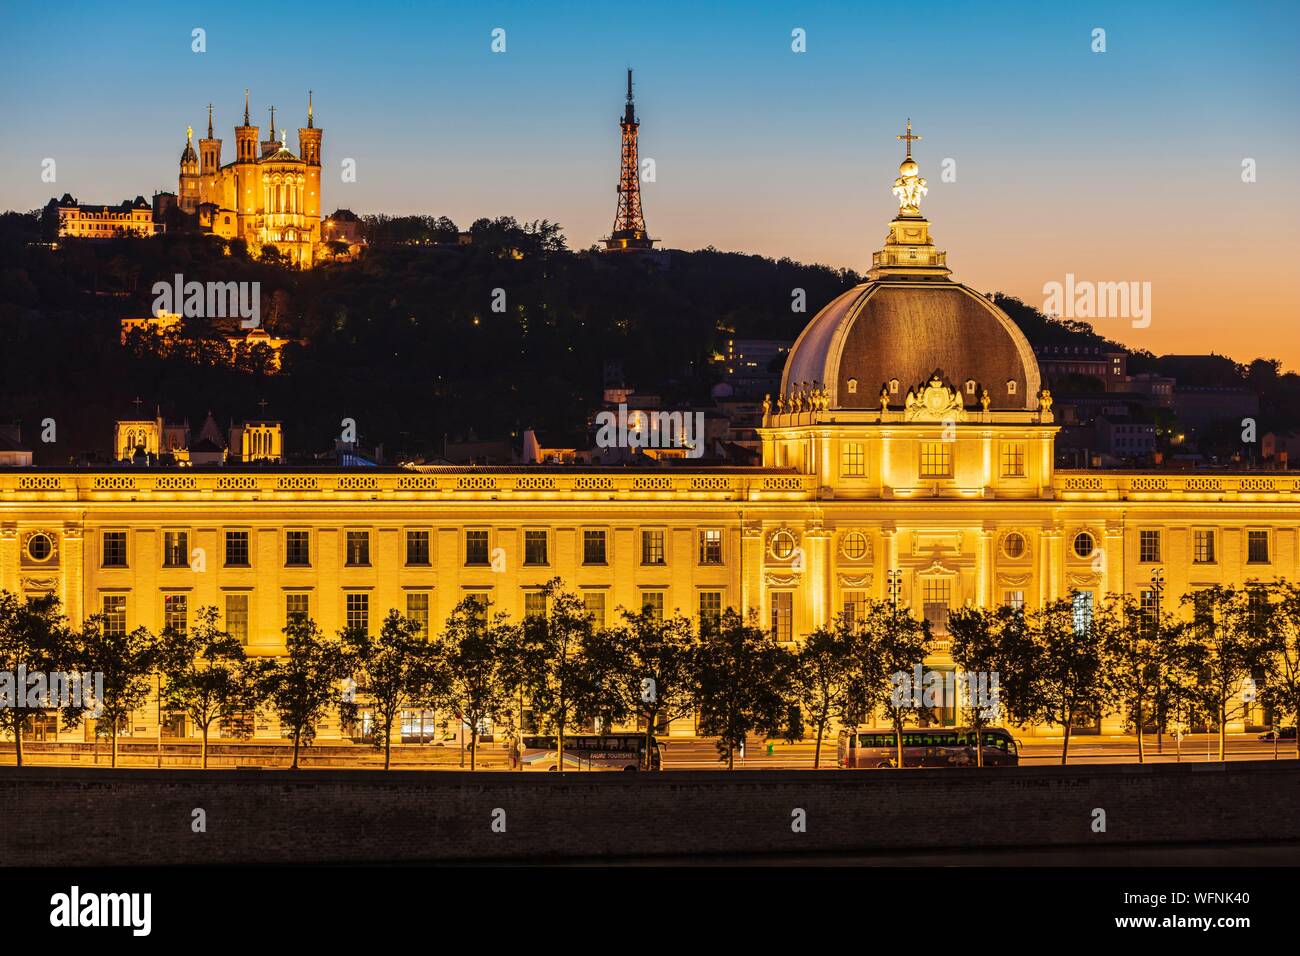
{"points": [[1223, 731], [1138, 709], [18, 740], [1065, 743], [898, 742], [979, 747], [205, 746], [113, 737], [817, 753], [649, 735], [297, 733], [388, 746]]}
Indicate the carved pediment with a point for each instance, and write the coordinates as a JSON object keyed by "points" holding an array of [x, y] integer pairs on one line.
{"points": [[855, 580], [934, 402], [937, 569], [772, 579]]}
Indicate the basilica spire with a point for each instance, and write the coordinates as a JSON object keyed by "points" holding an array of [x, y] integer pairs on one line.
{"points": [[209, 121], [245, 106], [309, 113]]}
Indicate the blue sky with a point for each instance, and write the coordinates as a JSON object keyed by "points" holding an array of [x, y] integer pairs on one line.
{"points": [[1126, 163]]}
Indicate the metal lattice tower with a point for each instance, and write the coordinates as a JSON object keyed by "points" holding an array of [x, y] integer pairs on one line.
{"points": [[629, 222]]}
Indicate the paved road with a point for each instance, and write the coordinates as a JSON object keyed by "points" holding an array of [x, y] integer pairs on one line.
{"points": [[698, 754], [701, 754]]}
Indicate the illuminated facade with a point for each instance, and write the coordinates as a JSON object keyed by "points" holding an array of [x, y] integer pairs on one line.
{"points": [[80, 221], [910, 447], [267, 196]]}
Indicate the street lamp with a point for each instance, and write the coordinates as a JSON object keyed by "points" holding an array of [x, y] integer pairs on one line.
{"points": [[895, 577]]}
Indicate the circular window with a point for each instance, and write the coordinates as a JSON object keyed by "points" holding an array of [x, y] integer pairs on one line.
{"points": [[40, 547], [1013, 545], [782, 545], [854, 546], [1083, 544]]}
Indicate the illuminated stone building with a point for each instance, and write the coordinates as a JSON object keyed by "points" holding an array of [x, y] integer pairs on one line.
{"points": [[266, 196], [908, 453], [82, 221]]}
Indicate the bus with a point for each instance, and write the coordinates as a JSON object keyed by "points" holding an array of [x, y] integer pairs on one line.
{"points": [[591, 752], [941, 747]]}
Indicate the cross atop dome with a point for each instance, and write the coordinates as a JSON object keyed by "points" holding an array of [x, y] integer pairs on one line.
{"points": [[909, 137], [909, 187], [909, 251]]}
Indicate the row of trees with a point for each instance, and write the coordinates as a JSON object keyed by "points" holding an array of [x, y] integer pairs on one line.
{"points": [[1229, 650], [1061, 664]]}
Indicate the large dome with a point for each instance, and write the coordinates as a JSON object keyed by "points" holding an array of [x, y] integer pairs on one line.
{"points": [[901, 330]]}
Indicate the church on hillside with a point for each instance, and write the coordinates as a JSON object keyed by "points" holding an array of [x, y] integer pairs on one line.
{"points": [[267, 196]]}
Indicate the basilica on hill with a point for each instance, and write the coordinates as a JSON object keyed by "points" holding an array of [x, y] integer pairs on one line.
{"points": [[908, 455], [266, 196]]}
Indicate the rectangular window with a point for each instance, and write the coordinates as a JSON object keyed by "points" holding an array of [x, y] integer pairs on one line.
{"points": [[1150, 607], [936, 459], [176, 612], [710, 608], [114, 549], [237, 617], [783, 615], [296, 554], [1149, 546], [653, 603], [113, 607], [936, 596], [853, 461], [176, 549], [1013, 459], [236, 549], [1082, 601], [711, 546], [535, 547], [1257, 547], [534, 604], [357, 608], [652, 547], [417, 547], [358, 549], [595, 604], [1203, 547], [417, 609], [855, 605], [297, 606], [593, 547], [476, 547], [1014, 599]]}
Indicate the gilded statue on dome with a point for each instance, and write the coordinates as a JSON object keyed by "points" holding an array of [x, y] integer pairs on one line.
{"points": [[910, 186]]}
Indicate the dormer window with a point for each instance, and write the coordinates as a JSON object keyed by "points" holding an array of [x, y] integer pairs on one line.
{"points": [[970, 386], [1011, 387], [853, 386], [893, 386]]}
